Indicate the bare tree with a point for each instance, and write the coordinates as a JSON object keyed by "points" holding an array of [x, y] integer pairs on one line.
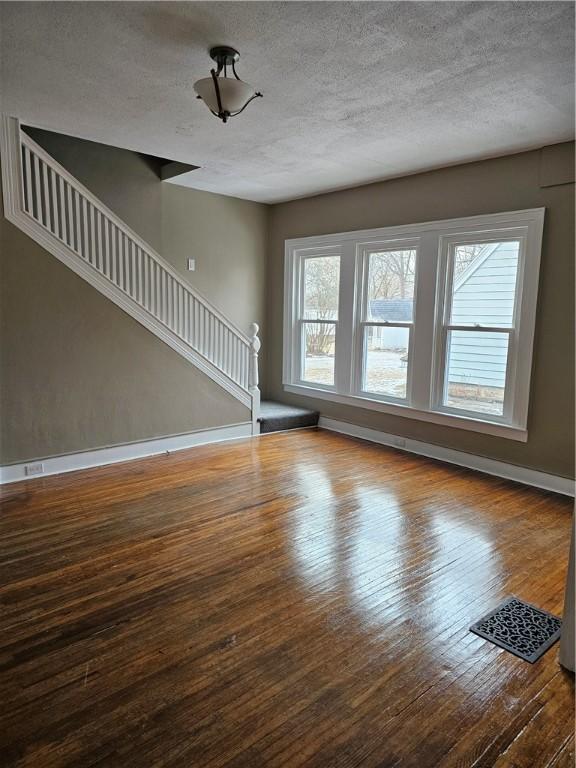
{"points": [[401, 264], [464, 255], [391, 274], [380, 280], [321, 285]]}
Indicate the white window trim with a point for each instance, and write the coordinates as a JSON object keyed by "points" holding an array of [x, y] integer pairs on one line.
{"points": [[298, 320], [363, 251], [425, 371]]}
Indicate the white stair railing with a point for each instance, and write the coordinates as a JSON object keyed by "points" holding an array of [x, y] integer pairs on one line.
{"points": [[46, 201]]}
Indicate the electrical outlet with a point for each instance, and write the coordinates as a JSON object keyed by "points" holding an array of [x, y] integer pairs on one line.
{"points": [[191, 265], [400, 442], [34, 469]]}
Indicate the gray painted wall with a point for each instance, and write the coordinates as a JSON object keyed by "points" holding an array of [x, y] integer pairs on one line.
{"points": [[227, 237], [76, 372], [509, 183], [126, 182]]}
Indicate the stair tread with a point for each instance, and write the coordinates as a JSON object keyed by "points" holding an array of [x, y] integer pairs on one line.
{"points": [[275, 417], [271, 409]]}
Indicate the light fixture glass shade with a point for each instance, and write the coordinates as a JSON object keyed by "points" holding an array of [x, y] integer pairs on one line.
{"points": [[233, 93]]}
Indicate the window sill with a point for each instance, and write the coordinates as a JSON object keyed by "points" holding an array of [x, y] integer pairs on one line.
{"points": [[449, 420]]}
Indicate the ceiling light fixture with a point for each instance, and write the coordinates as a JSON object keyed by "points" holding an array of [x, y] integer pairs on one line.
{"points": [[225, 96]]}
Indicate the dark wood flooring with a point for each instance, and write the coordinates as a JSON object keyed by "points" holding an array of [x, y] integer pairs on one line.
{"points": [[302, 599]]}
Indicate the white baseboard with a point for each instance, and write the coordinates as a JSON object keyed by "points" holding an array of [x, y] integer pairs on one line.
{"points": [[491, 467], [55, 465]]}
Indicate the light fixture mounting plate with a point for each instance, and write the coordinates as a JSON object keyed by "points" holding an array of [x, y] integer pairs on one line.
{"points": [[223, 54]]}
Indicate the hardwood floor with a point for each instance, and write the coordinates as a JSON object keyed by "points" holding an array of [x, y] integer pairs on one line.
{"points": [[298, 600]]}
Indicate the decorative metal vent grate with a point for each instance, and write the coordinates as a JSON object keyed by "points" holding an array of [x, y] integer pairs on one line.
{"points": [[521, 628]]}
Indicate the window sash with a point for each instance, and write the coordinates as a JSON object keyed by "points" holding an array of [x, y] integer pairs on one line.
{"points": [[302, 323], [387, 323], [441, 362], [302, 281], [298, 340], [358, 375], [442, 387], [386, 246], [383, 397], [312, 320], [473, 239]]}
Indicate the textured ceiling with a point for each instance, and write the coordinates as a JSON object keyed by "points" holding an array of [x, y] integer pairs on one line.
{"points": [[353, 92]]}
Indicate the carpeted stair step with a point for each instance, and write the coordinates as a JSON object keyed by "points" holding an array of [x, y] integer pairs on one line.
{"points": [[276, 417]]}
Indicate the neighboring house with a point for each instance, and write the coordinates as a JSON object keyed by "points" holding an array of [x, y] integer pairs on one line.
{"points": [[394, 310]]}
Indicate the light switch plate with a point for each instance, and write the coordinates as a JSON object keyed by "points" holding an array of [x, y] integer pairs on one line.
{"points": [[191, 265]]}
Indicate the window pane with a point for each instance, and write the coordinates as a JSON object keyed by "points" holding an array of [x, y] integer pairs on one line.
{"points": [[476, 371], [386, 360], [391, 285], [321, 285], [484, 283], [318, 363]]}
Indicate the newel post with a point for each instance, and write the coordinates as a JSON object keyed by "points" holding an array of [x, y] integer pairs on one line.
{"points": [[253, 377]]}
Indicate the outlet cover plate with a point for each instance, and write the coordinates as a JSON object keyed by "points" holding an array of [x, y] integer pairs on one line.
{"points": [[34, 469]]}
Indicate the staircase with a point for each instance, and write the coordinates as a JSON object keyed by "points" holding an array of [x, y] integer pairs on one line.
{"points": [[51, 206]]}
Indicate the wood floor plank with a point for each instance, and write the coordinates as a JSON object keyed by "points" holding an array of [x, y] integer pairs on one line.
{"points": [[298, 600], [565, 755]]}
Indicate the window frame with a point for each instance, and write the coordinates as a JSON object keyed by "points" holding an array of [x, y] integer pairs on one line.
{"points": [[363, 252], [444, 324], [300, 320], [426, 349]]}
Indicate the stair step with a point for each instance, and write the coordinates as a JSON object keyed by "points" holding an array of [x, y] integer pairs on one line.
{"points": [[276, 417]]}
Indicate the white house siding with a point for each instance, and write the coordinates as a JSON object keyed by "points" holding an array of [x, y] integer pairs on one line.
{"points": [[391, 338], [484, 295]]}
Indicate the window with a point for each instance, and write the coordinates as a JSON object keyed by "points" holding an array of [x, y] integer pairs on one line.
{"points": [[319, 318], [432, 321], [388, 310], [479, 322]]}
